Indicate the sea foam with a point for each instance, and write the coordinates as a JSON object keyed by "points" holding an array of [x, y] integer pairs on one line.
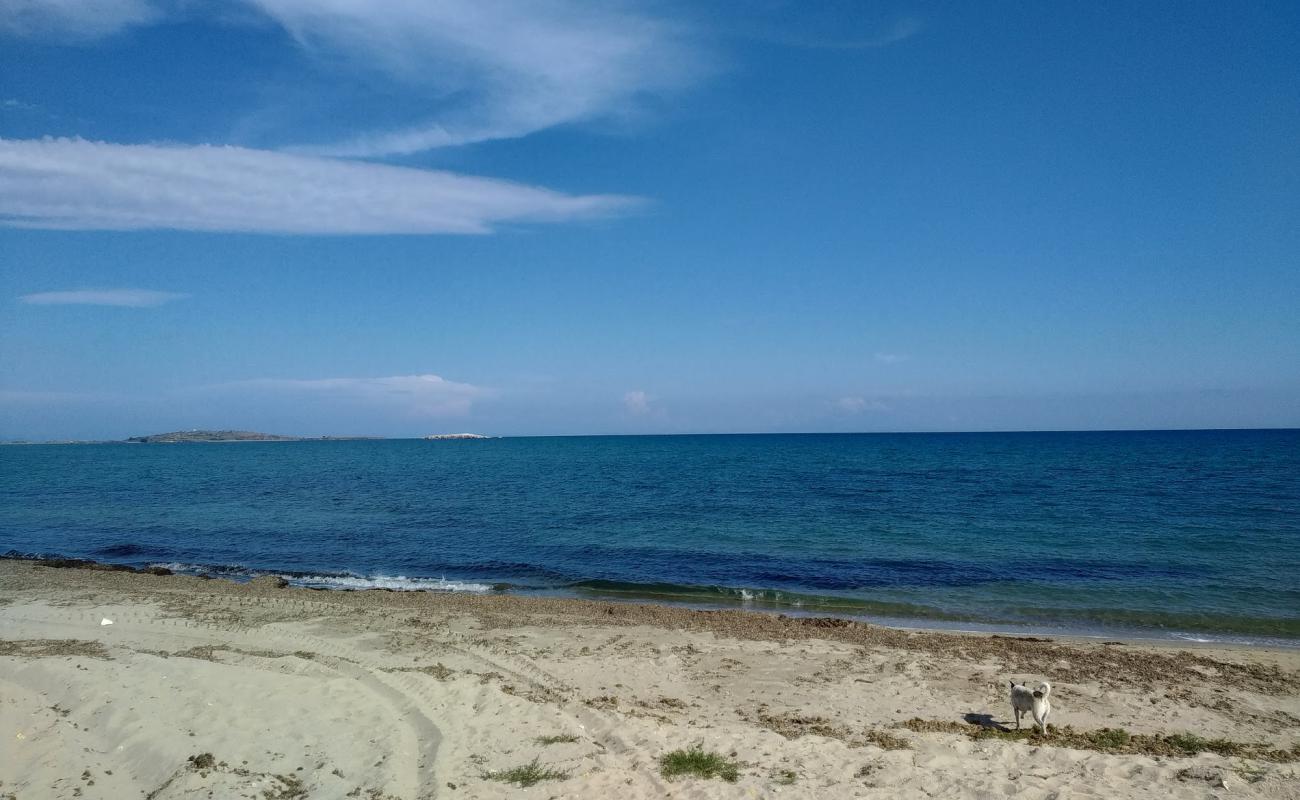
{"points": [[343, 581], [399, 583]]}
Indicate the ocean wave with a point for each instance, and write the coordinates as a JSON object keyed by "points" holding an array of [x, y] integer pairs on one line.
{"points": [[399, 583], [223, 570], [1188, 637], [330, 580]]}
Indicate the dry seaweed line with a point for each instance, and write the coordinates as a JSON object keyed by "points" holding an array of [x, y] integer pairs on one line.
{"points": [[1114, 740]]}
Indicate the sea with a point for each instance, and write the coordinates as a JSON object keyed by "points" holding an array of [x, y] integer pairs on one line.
{"points": [[1187, 535]]}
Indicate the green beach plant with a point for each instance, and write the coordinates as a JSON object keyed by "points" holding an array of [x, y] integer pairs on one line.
{"points": [[1192, 744], [563, 738], [529, 774], [699, 763], [1110, 738]]}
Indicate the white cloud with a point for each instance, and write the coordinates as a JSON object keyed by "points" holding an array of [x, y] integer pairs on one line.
{"points": [[857, 405], [637, 403], [77, 184], [417, 395], [891, 358], [505, 69], [132, 298], [498, 69], [73, 19]]}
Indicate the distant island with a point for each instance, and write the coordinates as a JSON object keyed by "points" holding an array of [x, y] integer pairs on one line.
{"points": [[177, 437], [457, 436], [210, 436]]}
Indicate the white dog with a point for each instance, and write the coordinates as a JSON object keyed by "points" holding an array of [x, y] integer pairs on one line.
{"points": [[1036, 703]]}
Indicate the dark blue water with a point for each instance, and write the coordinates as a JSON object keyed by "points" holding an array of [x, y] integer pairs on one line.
{"points": [[1192, 534]]}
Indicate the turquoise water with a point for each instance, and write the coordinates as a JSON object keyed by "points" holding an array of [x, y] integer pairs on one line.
{"points": [[1173, 534]]}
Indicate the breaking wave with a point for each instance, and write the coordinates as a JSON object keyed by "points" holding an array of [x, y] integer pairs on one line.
{"points": [[331, 580]]}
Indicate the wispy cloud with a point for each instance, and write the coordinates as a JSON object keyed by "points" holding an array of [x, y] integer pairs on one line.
{"points": [[857, 405], [73, 19], [637, 403], [77, 184], [891, 358], [508, 69], [417, 395], [497, 69], [131, 298]]}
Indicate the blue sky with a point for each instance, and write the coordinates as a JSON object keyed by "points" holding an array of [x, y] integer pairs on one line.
{"points": [[398, 218]]}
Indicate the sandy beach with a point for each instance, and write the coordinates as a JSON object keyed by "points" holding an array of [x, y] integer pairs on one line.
{"points": [[206, 688]]}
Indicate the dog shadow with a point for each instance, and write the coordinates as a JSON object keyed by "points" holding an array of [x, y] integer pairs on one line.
{"points": [[986, 721]]}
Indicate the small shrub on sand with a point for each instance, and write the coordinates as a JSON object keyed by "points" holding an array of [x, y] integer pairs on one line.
{"points": [[562, 738], [1110, 738], [529, 774], [785, 777], [1192, 744], [1187, 742], [700, 763]]}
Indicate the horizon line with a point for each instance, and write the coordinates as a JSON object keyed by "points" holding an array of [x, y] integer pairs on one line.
{"points": [[377, 437]]}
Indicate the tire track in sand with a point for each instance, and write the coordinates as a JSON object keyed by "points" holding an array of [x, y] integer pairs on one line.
{"points": [[404, 691], [405, 697]]}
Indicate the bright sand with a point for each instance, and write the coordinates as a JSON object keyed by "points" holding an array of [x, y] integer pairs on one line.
{"points": [[374, 694]]}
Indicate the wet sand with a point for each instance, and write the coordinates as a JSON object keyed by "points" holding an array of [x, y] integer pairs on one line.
{"points": [[206, 688]]}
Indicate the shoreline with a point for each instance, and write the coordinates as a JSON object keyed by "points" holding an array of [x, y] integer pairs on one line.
{"points": [[759, 624], [172, 686], [729, 599]]}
